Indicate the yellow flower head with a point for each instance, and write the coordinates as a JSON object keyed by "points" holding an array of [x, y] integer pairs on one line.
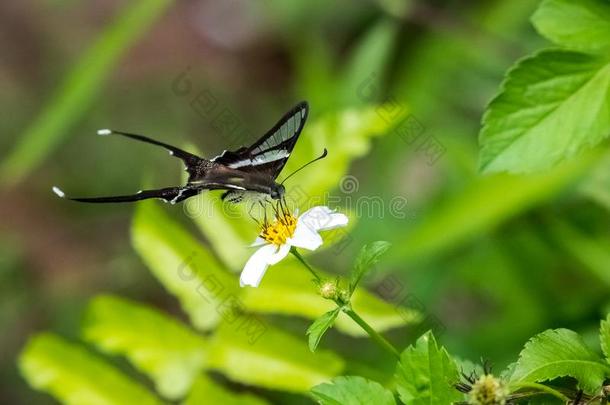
{"points": [[278, 231], [285, 232]]}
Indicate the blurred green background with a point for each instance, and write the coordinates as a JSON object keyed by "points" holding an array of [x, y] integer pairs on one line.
{"points": [[494, 258]]}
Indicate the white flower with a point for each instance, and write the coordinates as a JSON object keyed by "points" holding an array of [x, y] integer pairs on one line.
{"points": [[287, 231]]}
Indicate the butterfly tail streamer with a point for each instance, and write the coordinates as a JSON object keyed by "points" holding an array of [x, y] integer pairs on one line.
{"points": [[191, 161], [171, 195]]}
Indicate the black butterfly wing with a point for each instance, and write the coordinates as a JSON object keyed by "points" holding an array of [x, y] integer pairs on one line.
{"points": [[267, 156], [270, 153], [194, 165]]}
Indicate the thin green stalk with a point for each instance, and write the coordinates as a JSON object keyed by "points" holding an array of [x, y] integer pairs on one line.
{"points": [[380, 340], [78, 89], [541, 388], [377, 338], [307, 266]]}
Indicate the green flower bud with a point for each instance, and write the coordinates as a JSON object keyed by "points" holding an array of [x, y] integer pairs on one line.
{"points": [[488, 390], [329, 290]]}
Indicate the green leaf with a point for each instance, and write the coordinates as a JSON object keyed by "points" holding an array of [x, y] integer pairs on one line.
{"points": [[426, 374], [468, 367], [552, 106], [228, 228], [320, 326], [352, 390], [580, 25], [507, 373], [182, 264], [597, 185], [79, 87], [604, 337], [347, 135], [483, 205], [288, 290], [360, 82], [592, 251], [369, 256], [154, 343], [77, 377], [172, 254], [559, 353], [206, 391], [271, 359]]}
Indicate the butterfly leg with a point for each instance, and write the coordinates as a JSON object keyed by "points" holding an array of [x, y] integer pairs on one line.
{"points": [[264, 208], [251, 215]]}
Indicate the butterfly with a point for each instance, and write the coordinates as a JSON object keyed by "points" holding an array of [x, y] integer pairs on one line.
{"points": [[246, 172]]}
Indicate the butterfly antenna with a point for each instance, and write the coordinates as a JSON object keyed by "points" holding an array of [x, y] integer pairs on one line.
{"points": [[322, 156]]}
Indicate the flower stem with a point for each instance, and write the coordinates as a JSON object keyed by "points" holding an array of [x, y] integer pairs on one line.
{"points": [[380, 340], [307, 266], [377, 338]]}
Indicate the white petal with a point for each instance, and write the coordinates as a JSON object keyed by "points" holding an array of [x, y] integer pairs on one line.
{"points": [[322, 218], [256, 266], [318, 210], [259, 242], [281, 253], [336, 220], [305, 237]]}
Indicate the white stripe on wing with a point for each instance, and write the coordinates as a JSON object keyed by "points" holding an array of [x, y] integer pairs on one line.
{"points": [[263, 158], [287, 131]]}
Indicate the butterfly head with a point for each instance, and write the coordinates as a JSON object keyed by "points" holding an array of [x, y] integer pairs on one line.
{"points": [[277, 191]]}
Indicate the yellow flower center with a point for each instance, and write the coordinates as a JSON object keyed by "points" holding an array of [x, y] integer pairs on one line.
{"points": [[278, 231]]}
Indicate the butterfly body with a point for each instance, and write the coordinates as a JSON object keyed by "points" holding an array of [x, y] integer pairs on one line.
{"points": [[248, 172], [235, 181]]}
